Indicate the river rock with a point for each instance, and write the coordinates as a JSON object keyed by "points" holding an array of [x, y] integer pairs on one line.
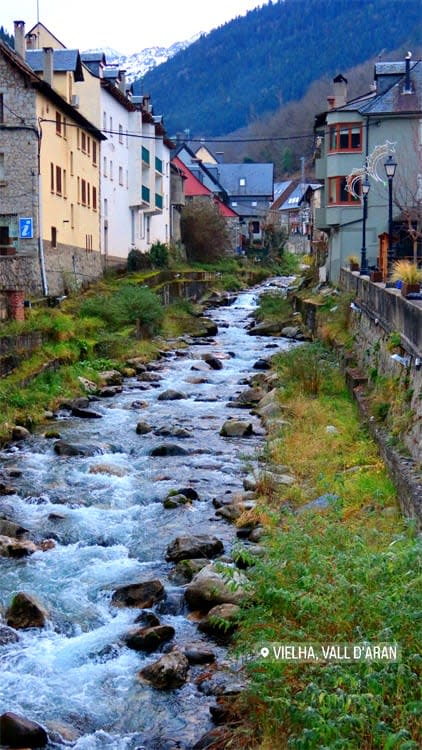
{"points": [[7, 635], [147, 619], [215, 585], [176, 432], [17, 731], [143, 428], [169, 672], [188, 547], [169, 449], [261, 364], [149, 377], [186, 569], [25, 612], [108, 391], [88, 385], [150, 638], [139, 404], [175, 500], [6, 489], [236, 428], [9, 528], [63, 448], [220, 621], [214, 362], [12, 547], [20, 433], [111, 377], [247, 398], [141, 595], [85, 413], [170, 394], [208, 327], [265, 329], [198, 653]]}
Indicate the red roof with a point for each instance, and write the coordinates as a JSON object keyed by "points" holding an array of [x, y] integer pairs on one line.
{"points": [[194, 188]]}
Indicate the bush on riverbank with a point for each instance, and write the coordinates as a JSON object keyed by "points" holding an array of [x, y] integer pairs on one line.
{"points": [[345, 570]]}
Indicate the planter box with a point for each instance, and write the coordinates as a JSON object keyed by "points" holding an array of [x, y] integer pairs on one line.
{"points": [[6, 250], [376, 276], [354, 266], [410, 288]]}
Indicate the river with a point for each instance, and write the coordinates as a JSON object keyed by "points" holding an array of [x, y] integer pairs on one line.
{"points": [[105, 513]]}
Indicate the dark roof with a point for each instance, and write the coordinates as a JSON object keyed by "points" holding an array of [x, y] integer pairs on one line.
{"points": [[94, 61], [259, 178], [37, 83], [63, 60]]}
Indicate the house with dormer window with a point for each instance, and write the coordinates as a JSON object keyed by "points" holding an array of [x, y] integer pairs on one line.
{"points": [[354, 138]]}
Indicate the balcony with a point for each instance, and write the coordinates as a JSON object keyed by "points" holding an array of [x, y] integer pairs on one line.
{"points": [[145, 194]]}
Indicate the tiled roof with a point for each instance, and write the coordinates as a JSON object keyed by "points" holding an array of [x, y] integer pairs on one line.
{"points": [[259, 178], [63, 60]]}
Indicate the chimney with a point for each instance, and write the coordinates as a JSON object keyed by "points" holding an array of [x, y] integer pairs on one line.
{"points": [[340, 90], [122, 84], [48, 65], [20, 38], [331, 101]]}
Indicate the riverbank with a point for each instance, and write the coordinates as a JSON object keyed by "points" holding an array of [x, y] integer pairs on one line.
{"points": [[342, 569]]}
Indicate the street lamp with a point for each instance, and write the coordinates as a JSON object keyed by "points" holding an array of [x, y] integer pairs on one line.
{"points": [[390, 169], [363, 261]]}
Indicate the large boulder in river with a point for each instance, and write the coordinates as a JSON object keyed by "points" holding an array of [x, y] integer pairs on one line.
{"points": [[12, 547], [141, 595], [63, 448], [215, 585], [236, 428], [9, 528], [17, 731], [187, 547], [150, 638], [25, 612], [221, 621], [171, 395], [167, 673], [111, 377], [169, 449]]}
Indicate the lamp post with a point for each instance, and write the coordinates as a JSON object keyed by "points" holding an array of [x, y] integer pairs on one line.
{"points": [[363, 261], [390, 169]]}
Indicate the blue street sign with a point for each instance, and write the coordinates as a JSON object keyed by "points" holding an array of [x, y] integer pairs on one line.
{"points": [[25, 228]]}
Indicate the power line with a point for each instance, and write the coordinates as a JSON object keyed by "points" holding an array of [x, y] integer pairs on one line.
{"points": [[201, 139]]}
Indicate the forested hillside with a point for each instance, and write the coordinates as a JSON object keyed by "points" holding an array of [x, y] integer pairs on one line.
{"points": [[250, 66]]}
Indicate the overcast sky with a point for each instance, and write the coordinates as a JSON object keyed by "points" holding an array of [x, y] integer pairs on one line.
{"points": [[128, 27]]}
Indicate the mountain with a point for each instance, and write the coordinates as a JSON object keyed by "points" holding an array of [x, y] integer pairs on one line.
{"points": [[139, 63], [249, 67]]}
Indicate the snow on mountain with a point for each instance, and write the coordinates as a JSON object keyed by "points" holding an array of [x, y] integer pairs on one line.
{"points": [[137, 64]]}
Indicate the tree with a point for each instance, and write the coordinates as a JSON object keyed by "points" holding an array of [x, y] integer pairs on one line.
{"points": [[204, 231]]}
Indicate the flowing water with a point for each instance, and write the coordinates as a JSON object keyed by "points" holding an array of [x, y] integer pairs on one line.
{"points": [[105, 513]]}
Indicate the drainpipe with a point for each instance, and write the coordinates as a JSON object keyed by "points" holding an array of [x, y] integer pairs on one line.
{"points": [[40, 238]]}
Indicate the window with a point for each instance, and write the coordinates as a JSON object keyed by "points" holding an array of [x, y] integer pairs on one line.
{"points": [[1, 167], [337, 192], [88, 242], [94, 198], [83, 192], [1, 108], [345, 137], [111, 127], [88, 194], [78, 138], [58, 123], [120, 133], [105, 166], [242, 181], [64, 184], [53, 237], [104, 121], [120, 175], [111, 170], [71, 163], [105, 207], [85, 143], [58, 181], [64, 128], [72, 216], [94, 153], [79, 189], [51, 177]]}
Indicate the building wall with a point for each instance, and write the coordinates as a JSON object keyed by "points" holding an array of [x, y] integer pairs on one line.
{"points": [[70, 182], [19, 147]]}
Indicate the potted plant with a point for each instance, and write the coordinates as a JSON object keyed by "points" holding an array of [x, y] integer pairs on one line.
{"points": [[376, 276], [353, 262], [409, 274]]}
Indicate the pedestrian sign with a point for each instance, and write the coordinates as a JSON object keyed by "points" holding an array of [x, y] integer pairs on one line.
{"points": [[25, 228]]}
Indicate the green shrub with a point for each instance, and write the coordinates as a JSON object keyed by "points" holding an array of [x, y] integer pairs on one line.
{"points": [[137, 261], [159, 255], [129, 304]]}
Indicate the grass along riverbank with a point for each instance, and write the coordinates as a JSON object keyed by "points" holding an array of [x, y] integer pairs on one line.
{"points": [[346, 570], [116, 319]]}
